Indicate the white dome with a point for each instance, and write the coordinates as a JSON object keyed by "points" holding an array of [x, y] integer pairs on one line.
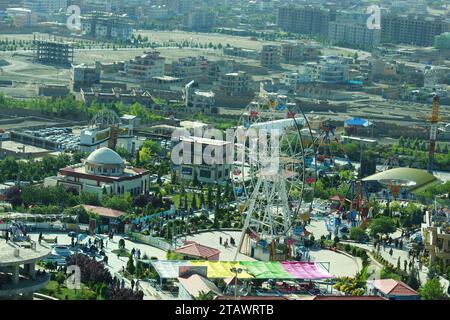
{"points": [[105, 156]]}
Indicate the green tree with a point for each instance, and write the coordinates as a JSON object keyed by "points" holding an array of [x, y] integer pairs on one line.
{"points": [[357, 234], [432, 290], [382, 225], [130, 265], [412, 279]]}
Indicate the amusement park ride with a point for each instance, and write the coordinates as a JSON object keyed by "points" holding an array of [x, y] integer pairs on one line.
{"points": [[273, 202], [271, 179]]}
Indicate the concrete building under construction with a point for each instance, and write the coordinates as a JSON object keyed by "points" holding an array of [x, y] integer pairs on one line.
{"points": [[53, 52]]}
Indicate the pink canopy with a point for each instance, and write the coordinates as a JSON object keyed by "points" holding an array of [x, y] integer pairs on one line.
{"points": [[305, 270]]}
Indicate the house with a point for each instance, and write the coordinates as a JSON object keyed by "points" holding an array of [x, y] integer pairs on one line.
{"points": [[392, 289]]}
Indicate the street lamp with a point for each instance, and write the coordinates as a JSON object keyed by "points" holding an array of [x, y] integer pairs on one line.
{"points": [[236, 272]]}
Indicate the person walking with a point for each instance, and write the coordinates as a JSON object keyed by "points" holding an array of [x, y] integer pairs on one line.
{"points": [[122, 284], [391, 252], [137, 284], [132, 284], [220, 240]]}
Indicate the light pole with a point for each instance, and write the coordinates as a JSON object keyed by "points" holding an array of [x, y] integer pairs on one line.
{"points": [[236, 272]]}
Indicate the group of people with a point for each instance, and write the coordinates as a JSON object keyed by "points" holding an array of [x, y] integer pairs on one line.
{"points": [[120, 284], [136, 253], [226, 243]]}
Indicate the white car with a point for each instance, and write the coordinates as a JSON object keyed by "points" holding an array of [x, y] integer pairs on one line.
{"points": [[62, 251]]}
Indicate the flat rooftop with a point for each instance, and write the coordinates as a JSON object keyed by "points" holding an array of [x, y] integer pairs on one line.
{"points": [[26, 255], [13, 146]]}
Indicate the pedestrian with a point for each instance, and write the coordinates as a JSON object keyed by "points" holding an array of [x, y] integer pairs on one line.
{"points": [[139, 253], [401, 244], [391, 252], [132, 284], [122, 284], [220, 240], [137, 285], [105, 259], [133, 251], [56, 240]]}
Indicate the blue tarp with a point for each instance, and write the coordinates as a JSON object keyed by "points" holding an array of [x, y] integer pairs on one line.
{"points": [[358, 122]]}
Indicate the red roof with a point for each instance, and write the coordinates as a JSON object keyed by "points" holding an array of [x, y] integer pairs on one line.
{"points": [[104, 212], [198, 250], [394, 287]]}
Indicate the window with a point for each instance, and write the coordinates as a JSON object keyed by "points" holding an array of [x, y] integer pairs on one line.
{"points": [[205, 173]]}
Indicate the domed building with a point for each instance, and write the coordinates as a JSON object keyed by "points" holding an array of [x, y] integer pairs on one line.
{"points": [[104, 171]]}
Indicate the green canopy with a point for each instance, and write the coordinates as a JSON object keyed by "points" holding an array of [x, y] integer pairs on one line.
{"points": [[266, 270]]}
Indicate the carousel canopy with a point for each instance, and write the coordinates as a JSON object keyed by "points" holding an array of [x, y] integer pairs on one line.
{"points": [[409, 178]]}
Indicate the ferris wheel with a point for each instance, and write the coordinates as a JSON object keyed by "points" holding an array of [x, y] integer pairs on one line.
{"points": [[270, 176]]}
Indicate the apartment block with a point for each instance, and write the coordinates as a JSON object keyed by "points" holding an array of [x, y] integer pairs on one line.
{"points": [[415, 30], [270, 56], [310, 20], [353, 34], [145, 67]]}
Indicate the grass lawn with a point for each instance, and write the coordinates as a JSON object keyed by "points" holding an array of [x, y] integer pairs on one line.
{"points": [[55, 290]]}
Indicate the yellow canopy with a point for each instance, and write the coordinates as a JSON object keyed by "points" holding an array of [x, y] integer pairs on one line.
{"points": [[222, 269]]}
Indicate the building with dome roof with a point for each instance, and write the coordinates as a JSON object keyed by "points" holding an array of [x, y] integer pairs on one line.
{"points": [[104, 171]]}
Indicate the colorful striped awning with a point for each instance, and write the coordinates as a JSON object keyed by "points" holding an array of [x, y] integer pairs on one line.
{"points": [[286, 270]]}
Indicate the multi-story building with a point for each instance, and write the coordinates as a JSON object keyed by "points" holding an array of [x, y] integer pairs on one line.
{"points": [[21, 17], [240, 52], [416, 30], [188, 168], [158, 12], [145, 67], [189, 68], [234, 84], [292, 52], [270, 56], [103, 172], [333, 70], [45, 6], [100, 5], [54, 52], [107, 26], [84, 76], [310, 20], [353, 34], [115, 95], [437, 240], [200, 19], [218, 68], [197, 100]]}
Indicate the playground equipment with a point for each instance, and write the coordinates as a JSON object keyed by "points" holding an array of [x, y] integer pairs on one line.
{"points": [[270, 175]]}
